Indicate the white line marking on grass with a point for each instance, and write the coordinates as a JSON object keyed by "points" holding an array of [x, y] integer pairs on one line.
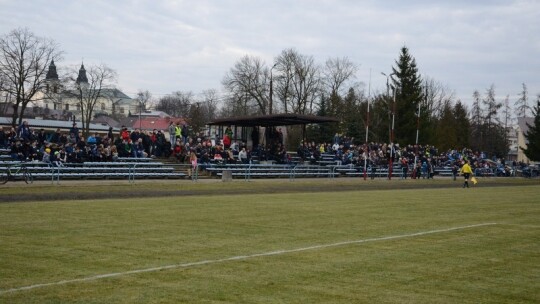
{"points": [[240, 257]]}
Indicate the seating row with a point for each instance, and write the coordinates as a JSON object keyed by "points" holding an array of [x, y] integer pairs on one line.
{"points": [[271, 170], [106, 170]]}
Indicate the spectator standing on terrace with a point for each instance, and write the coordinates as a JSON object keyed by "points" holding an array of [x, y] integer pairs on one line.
{"points": [[466, 170], [63, 139], [23, 132], [72, 139], [417, 170], [145, 141], [33, 151], [134, 136], [110, 134], [177, 131], [124, 148], [243, 156], [337, 140], [114, 153], [138, 149], [3, 138], [226, 141], [160, 143], [81, 144], [229, 132], [124, 133], [91, 140], [41, 137], [46, 156], [177, 152], [172, 137], [153, 142], [455, 170], [404, 167], [185, 134], [424, 170], [193, 160], [75, 130], [11, 136]]}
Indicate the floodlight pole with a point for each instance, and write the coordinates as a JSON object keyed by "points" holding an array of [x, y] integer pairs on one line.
{"points": [[140, 112], [271, 101], [391, 165], [417, 133], [393, 120], [367, 128]]}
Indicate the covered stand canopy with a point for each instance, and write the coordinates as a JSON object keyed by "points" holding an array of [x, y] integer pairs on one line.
{"points": [[273, 121]]}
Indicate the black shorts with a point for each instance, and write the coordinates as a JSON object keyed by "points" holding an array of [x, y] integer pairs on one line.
{"points": [[466, 175]]}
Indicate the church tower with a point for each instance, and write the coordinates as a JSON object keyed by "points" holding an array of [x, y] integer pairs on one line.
{"points": [[51, 79], [82, 80]]}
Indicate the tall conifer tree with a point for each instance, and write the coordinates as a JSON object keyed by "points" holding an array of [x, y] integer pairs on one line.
{"points": [[533, 136], [409, 95]]}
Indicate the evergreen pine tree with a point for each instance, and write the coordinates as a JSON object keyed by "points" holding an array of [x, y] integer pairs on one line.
{"points": [[447, 128], [533, 136], [409, 94], [353, 124], [522, 105], [462, 125]]}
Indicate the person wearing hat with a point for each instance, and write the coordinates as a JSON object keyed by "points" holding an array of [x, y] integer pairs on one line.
{"points": [[75, 130], [46, 156]]}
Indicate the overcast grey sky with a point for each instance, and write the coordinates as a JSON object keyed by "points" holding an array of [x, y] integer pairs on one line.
{"points": [[166, 46]]}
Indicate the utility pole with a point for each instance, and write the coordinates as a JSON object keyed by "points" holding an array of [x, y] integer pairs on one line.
{"points": [[390, 162], [271, 105], [393, 120], [367, 128]]}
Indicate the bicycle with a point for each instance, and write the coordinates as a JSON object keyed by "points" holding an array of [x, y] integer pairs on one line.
{"points": [[12, 174]]}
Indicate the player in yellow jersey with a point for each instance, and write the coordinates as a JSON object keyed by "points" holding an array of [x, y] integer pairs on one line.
{"points": [[466, 170]]}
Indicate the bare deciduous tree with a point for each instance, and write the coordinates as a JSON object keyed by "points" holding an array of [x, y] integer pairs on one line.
{"points": [[336, 73], [437, 97], [249, 82], [24, 59], [299, 83], [144, 98], [210, 101], [177, 104]]}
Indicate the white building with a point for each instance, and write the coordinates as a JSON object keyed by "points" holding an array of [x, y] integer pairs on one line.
{"points": [[111, 100], [522, 129]]}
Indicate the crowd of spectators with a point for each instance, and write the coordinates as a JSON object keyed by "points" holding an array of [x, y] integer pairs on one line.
{"points": [[28, 144], [422, 159]]}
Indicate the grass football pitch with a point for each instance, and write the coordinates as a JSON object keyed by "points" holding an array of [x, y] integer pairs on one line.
{"points": [[322, 241]]}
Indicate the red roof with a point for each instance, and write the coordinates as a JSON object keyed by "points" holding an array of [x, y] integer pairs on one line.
{"points": [[158, 123]]}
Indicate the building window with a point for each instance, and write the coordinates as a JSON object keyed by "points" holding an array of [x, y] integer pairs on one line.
{"points": [[103, 106], [66, 107], [46, 105], [78, 107], [121, 110]]}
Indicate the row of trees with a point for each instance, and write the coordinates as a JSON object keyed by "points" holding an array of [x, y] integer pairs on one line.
{"points": [[420, 108], [416, 106]]}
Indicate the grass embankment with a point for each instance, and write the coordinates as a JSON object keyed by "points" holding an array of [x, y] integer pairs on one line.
{"points": [[53, 241]]}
